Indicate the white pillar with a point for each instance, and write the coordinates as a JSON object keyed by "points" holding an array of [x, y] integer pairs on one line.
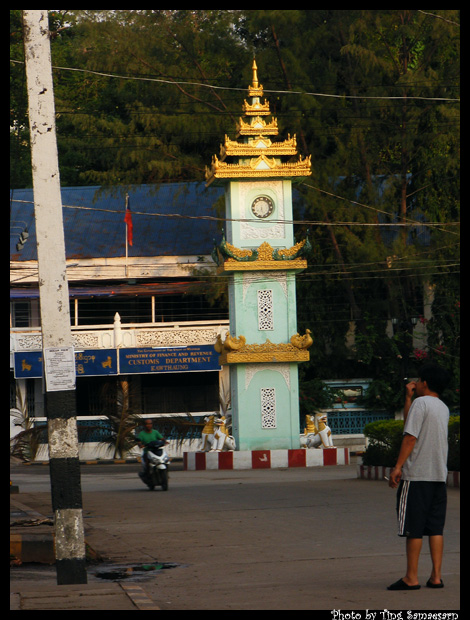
{"points": [[117, 331], [64, 465]]}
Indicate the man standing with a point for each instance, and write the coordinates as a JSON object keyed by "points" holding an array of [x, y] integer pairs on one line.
{"points": [[420, 474]]}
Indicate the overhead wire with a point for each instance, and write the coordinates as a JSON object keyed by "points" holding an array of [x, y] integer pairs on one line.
{"points": [[238, 89], [274, 91], [408, 222]]}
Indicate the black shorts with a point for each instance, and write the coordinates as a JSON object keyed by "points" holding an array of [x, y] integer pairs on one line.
{"points": [[421, 508]]}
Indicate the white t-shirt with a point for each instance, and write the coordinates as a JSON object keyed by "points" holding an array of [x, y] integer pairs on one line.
{"points": [[428, 421]]}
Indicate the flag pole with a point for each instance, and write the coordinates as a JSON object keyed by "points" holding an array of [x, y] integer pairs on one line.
{"points": [[127, 238]]}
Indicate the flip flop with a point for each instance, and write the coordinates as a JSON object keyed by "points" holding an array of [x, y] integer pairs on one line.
{"points": [[429, 584], [402, 585]]}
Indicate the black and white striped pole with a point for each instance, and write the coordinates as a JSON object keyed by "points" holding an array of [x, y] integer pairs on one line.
{"points": [[58, 354]]}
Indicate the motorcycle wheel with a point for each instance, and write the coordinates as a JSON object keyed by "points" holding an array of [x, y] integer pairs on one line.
{"points": [[147, 479], [151, 481], [164, 479]]}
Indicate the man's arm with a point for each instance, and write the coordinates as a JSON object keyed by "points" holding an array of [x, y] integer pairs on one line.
{"points": [[409, 392], [406, 449]]}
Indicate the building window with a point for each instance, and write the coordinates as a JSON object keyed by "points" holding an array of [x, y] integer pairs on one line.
{"points": [[100, 310], [21, 314], [189, 392]]}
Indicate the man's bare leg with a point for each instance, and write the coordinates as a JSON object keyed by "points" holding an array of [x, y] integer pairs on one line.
{"points": [[413, 550], [436, 547]]}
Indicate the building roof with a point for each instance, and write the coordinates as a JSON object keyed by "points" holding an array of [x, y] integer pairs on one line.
{"points": [[94, 220], [178, 287]]}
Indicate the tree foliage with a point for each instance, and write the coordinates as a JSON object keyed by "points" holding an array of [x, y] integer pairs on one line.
{"points": [[146, 96]]}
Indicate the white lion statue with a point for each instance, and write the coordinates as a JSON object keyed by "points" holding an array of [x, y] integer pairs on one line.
{"points": [[317, 433], [222, 439]]}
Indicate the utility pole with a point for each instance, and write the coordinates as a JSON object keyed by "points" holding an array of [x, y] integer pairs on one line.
{"points": [[58, 353]]}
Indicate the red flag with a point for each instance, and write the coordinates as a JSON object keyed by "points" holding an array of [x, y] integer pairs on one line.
{"points": [[128, 220]]}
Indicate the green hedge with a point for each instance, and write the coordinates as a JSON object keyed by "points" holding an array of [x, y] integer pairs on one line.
{"points": [[385, 437]]}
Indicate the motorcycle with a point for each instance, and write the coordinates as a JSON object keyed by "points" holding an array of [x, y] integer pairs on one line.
{"points": [[157, 470]]}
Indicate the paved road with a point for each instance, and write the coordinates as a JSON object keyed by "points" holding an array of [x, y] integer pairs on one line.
{"points": [[293, 539]]}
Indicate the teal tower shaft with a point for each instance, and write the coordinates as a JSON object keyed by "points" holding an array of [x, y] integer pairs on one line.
{"points": [[260, 258]]}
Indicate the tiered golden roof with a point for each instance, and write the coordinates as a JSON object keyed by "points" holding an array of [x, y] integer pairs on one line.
{"points": [[257, 156]]}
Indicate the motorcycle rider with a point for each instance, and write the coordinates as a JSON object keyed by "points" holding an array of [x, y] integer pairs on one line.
{"points": [[147, 435]]}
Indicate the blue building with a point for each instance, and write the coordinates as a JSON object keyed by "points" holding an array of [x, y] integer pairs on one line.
{"points": [[139, 313], [138, 308]]}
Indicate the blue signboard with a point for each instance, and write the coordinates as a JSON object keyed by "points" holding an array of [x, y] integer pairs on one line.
{"points": [[185, 359], [28, 365], [96, 362], [89, 363], [100, 362]]}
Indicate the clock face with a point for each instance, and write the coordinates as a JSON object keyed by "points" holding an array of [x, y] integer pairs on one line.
{"points": [[262, 207]]}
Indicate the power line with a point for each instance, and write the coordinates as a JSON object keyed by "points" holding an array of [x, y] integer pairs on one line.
{"points": [[408, 222], [314, 276], [231, 88]]}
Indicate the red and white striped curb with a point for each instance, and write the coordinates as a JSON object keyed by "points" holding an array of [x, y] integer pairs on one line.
{"points": [[265, 459], [377, 472]]}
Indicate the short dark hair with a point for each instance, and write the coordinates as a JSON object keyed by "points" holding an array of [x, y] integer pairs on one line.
{"points": [[435, 376]]}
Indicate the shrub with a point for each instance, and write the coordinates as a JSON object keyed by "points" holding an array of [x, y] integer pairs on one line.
{"points": [[385, 437]]}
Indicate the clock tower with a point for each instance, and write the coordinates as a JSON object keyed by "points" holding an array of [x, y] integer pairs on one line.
{"points": [[258, 255]]}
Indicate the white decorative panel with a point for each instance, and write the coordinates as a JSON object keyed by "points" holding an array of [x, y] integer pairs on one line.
{"points": [[268, 408], [255, 278], [265, 310], [175, 337], [252, 369], [277, 230]]}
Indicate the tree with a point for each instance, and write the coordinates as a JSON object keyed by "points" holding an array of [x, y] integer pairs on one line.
{"points": [[160, 119], [371, 94], [377, 153], [20, 157]]}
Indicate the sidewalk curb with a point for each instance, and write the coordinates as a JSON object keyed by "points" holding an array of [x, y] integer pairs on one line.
{"points": [[36, 543], [136, 459], [378, 472], [28, 545], [265, 459], [139, 597]]}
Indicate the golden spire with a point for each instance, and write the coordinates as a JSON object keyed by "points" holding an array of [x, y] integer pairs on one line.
{"points": [[257, 156], [255, 74], [256, 89]]}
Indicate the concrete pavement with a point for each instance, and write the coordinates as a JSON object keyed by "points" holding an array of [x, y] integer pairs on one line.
{"points": [[32, 542], [251, 568], [93, 596]]}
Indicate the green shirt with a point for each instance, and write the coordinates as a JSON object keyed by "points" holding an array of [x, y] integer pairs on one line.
{"points": [[145, 437]]}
